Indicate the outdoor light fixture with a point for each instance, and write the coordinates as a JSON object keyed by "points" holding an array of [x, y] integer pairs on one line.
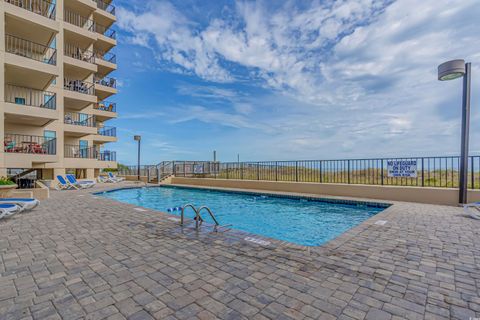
{"points": [[138, 139], [448, 71]]}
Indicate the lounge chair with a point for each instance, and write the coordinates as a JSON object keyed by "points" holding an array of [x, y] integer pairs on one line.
{"points": [[64, 185], [24, 203], [472, 210], [81, 184], [113, 177], [8, 209]]}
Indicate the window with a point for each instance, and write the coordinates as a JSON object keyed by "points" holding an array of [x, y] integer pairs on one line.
{"points": [[50, 143], [83, 146], [19, 100], [48, 134]]}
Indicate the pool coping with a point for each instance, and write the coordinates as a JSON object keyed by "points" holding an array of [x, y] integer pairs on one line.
{"points": [[274, 243]]}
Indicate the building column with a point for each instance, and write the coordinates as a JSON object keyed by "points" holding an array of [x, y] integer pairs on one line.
{"points": [[90, 173]]}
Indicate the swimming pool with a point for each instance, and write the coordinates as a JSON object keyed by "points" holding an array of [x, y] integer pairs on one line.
{"points": [[309, 222]]}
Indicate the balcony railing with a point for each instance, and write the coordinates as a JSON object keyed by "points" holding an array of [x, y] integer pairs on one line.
{"points": [[107, 156], [76, 151], [75, 52], [30, 97], [107, 131], [79, 20], [105, 106], [41, 7], [79, 86], [106, 56], [19, 143], [80, 119], [107, 32], [105, 81], [105, 6], [31, 50]]}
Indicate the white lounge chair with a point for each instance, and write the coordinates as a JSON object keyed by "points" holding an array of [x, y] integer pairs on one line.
{"points": [[24, 203], [8, 209], [81, 184], [472, 210]]}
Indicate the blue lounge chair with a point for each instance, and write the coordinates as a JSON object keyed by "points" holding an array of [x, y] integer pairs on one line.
{"points": [[64, 184], [81, 184], [472, 210], [24, 203], [8, 209]]}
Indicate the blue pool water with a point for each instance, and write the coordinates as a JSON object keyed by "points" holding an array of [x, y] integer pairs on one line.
{"points": [[301, 221]]}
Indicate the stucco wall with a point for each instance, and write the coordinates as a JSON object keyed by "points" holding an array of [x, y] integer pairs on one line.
{"points": [[444, 196]]}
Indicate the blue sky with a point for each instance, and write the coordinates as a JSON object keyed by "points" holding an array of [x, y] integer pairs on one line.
{"points": [[281, 80]]}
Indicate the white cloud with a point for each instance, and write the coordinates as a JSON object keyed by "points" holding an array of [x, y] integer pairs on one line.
{"points": [[359, 76]]}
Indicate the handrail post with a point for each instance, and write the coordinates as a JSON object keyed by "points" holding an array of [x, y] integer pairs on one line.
{"points": [[321, 173], [473, 174], [276, 170], [258, 170]]}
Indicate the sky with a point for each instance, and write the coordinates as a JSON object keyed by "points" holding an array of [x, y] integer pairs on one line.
{"points": [[292, 80]]}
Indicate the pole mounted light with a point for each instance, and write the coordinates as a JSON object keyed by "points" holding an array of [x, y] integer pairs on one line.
{"points": [[448, 71], [138, 139]]}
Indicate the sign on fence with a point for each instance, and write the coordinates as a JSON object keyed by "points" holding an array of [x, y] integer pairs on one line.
{"points": [[402, 168], [198, 169]]}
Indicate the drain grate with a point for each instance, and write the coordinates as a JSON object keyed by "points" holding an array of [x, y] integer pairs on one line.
{"points": [[381, 222], [257, 241]]}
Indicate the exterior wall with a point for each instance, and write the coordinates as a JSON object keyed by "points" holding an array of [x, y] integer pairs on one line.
{"points": [[445, 196], [15, 118]]}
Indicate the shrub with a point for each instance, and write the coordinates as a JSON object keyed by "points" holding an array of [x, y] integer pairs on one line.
{"points": [[4, 181]]}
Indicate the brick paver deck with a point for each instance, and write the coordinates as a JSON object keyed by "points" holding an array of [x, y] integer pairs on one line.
{"points": [[78, 256]]}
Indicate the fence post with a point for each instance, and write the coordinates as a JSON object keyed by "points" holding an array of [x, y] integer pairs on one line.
{"points": [[473, 173], [241, 170], [348, 171], [296, 171], [321, 179], [258, 170], [184, 169], [227, 169], [276, 171], [381, 173], [423, 172], [174, 168], [148, 174], [158, 174]]}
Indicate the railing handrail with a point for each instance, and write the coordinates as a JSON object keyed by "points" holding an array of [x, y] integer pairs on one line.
{"points": [[78, 53], [30, 96], [105, 6], [75, 118], [103, 56], [111, 155], [31, 144], [107, 131], [108, 32], [77, 151], [78, 20], [44, 4], [77, 86], [26, 48], [112, 106], [105, 81]]}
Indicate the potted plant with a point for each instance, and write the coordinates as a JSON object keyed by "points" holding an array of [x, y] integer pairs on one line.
{"points": [[6, 187]]}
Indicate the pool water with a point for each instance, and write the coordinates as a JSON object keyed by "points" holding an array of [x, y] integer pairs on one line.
{"points": [[301, 221]]}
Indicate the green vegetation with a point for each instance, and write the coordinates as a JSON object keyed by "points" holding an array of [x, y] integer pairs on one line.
{"points": [[4, 181], [120, 167]]}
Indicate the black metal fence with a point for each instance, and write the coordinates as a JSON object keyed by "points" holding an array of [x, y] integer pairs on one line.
{"points": [[427, 172], [20, 143]]}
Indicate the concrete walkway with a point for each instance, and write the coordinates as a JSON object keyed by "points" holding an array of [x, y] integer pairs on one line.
{"points": [[79, 256]]}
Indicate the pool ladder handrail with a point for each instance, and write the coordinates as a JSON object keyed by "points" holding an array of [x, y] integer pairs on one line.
{"points": [[198, 217]]}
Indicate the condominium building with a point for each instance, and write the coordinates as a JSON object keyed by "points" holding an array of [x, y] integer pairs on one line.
{"points": [[55, 89]]}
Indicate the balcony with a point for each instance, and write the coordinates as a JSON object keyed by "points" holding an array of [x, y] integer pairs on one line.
{"points": [[105, 106], [79, 124], [31, 50], [77, 53], [80, 152], [105, 81], [79, 28], [42, 7], [107, 156], [30, 97], [107, 131], [80, 119], [17, 143], [79, 86], [105, 6], [106, 62], [104, 87], [106, 31]]}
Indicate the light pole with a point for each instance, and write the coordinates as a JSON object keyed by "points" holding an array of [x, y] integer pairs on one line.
{"points": [[138, 139], [448, 71]]}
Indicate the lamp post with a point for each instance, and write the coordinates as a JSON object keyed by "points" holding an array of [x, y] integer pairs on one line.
{"points": [[138, 139], [448, 71]]}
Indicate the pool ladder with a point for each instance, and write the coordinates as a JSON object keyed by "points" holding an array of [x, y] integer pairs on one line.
{"points": [[198, 218]]}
